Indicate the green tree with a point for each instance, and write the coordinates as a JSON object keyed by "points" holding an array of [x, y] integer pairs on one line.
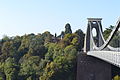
{"points": [[11, 69], [80, 38], [69, 40], [63, 63], [47, 37], [68, 29], [117, 77], [36, 48], [107, 32], [30, 68], [115, 42], [2, 73], [9, 49], [5, 38], [50, 52], [38, 57]]}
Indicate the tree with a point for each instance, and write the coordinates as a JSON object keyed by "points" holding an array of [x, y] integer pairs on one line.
{"points": [[9, 49], [115, 42], [5, 38], [50, 52], [47, 37], [36, 48], [63, 63], [30, 67], [34, 57], [107, 32], [80, 39], [117, 77], [2, 73], [11, 69], [68, 29], [71, 39]]}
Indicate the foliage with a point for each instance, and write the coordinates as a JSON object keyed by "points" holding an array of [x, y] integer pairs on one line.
{"points": [[68, 29], [117, 77], [11, 69], [40, 57], [115, 42], [44, 56]]}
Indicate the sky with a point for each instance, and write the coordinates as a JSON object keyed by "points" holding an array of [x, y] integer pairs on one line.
{"points": [[19, 17]]}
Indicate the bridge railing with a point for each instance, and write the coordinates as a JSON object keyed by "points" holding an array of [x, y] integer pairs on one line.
{"points": [[109, 56]]}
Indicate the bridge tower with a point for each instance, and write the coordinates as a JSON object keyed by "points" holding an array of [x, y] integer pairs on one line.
{"points": [[90, 67], [93, 23]]}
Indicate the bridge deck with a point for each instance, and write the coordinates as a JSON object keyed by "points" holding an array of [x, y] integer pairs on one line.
{"points": [[109, 56]]}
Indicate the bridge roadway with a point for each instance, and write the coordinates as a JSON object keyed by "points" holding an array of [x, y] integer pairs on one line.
{"points": [[111, 57]]}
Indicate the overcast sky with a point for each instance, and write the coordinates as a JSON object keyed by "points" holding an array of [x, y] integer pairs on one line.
{"points": [[19, 17]]}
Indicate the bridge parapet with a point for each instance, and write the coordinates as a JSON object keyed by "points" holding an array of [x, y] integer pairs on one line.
{"points": [[108, 56]]}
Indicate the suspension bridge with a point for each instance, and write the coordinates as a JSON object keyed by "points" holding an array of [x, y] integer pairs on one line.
{"points": [[99, 61]]}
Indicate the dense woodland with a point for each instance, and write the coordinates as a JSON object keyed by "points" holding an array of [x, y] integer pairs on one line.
{"points": [[42, 56]]}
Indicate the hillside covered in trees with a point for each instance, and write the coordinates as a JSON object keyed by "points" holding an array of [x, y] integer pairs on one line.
{"points": [[42, 56]]}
